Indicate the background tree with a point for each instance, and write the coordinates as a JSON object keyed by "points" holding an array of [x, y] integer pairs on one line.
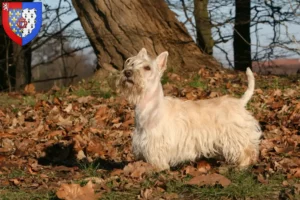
{"points": [[241, 36], [278, 17], [119, 29], [203, 26]]}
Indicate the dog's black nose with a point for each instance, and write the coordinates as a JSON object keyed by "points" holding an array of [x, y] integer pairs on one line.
{"points": [[128, 73]]}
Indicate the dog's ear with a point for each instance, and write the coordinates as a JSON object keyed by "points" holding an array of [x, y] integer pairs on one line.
{"points": [[142, 53], [161, 61]]}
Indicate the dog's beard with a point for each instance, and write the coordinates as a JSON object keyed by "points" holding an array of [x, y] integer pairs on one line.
{"points": [[131, 88]]}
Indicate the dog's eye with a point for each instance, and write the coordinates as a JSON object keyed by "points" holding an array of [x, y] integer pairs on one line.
{"points": [[147, 68]]}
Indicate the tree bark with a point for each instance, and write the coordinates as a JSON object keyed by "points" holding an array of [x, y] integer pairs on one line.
{"points": [[242, 40], [6, 49], [22, 65], [203, 26], [119, 29]]}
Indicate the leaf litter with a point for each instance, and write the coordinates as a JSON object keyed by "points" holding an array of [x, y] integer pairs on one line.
{"points": [[62, 141]]}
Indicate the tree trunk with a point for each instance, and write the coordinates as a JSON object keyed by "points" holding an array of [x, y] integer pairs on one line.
{"points": [[203, 26], [119, 29], [242, 41], [6, 49], [22, 64]]}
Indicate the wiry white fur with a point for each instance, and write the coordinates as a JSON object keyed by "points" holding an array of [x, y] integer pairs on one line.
{"points": [[171, 131]]}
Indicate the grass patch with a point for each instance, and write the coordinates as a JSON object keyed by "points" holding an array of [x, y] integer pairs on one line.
{"points": [[105, 94], [17, 194], [277, 82], [164, 79], [14, 174], [121, 195], [6, 100], [244, 185], [197, 83], [81, 92], [29, 101], [94, 88], [90, 169]]}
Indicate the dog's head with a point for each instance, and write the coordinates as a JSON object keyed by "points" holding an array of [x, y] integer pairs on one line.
{"points": [[140, 74]]}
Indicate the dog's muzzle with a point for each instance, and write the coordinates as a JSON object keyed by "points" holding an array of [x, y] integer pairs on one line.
{"points": [[128, 73], [128, 76]]}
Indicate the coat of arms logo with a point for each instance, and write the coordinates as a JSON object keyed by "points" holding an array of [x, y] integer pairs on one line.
{"points": [[22, 20]]}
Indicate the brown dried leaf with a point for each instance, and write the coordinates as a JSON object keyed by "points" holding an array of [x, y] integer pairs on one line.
{"points": [[203, 166], [192, 171], [56, 133], [295, 173], [285, 183], [7, 146], [29, 89], [210, 179], [213, 94], [68, 108], [191, 96], [137, 169], [277, 105], [2, 113], [277, 92], [15, 181], [85, 99], [101, 115], [127, 123], [75, 192], [261, 179], [146, 193]]}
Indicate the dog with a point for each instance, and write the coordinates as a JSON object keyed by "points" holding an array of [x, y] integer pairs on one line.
{"points": [[170, 131]]}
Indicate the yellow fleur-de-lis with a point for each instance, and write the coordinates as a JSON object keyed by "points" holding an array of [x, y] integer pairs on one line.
{"points": [[18, 13], [10, 13], [14, 19], [14, 30], [10, 24]]}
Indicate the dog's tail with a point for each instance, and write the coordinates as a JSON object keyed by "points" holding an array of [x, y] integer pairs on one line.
{"points": [[250, 90]]}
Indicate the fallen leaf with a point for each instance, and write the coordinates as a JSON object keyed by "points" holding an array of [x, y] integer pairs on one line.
{"points": [[261, 179], [128, 123], [56, 133], [295, 173], [210, 179], [101, 115], [7, 146], [75, 192], [85, 99], [277, 92], [146, 193], [116, 172], [29, 89], [2, 113], [15, 181], [80, 155], [213, 94], [64, 122], [285, 183], [68, 108], [137, 169], [96, 180], [203, 166]]}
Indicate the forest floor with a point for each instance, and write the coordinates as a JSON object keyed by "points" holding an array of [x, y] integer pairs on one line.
{"points": [[75, 143]]}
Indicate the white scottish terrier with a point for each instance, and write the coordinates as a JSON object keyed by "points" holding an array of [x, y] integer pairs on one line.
{"points": [[170, 131]]}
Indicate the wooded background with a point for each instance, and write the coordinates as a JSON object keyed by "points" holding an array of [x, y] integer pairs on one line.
{"points": [[114, 30]]}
